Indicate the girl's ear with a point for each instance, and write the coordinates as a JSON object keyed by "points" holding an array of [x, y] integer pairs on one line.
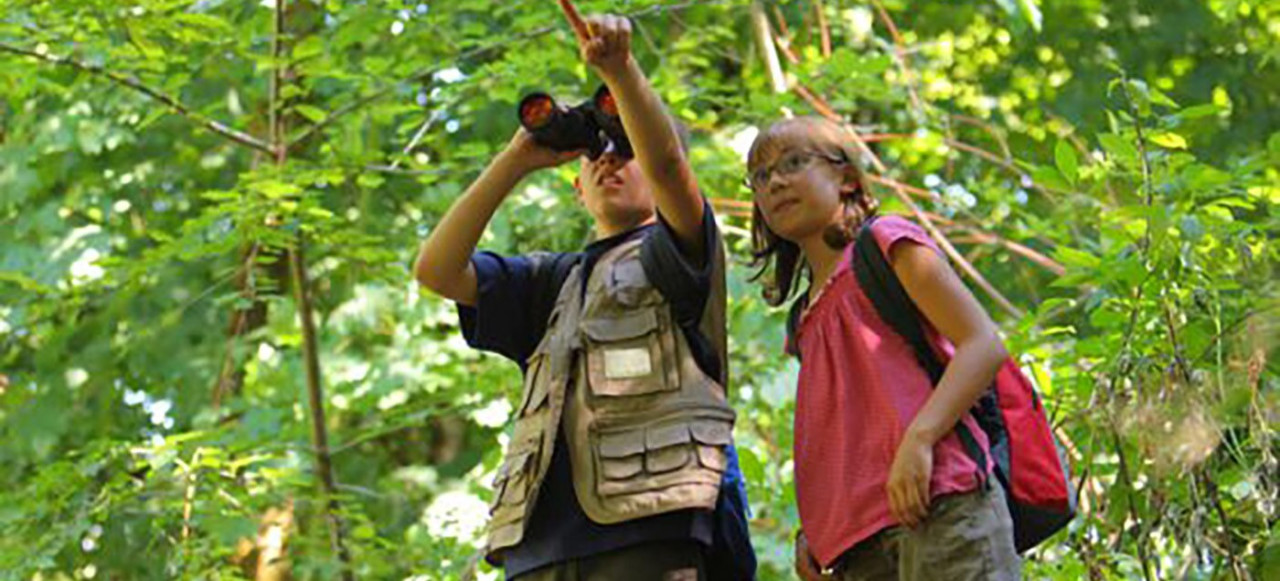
{"points": [[852, 181]]}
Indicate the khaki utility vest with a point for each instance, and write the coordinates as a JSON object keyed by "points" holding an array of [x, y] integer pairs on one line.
{"points": [[646, 428]]}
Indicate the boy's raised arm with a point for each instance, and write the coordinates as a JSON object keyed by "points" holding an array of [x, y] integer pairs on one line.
{"points": [[605, 44]]}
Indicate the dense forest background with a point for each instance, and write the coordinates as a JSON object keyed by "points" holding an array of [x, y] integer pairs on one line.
{"points": [[215, 364]]}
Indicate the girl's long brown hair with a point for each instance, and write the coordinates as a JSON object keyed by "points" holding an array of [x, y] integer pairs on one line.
{"points": [[782, 258]]}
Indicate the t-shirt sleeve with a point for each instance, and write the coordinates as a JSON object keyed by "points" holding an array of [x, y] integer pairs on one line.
{"points": [[683, 281], [890, 230], [514, 297]]}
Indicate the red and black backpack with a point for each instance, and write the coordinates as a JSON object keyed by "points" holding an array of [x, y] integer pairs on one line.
{"points": [[1028, 461]]}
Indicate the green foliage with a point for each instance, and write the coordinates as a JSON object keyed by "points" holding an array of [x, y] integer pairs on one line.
{"points": [[1110, 167]]}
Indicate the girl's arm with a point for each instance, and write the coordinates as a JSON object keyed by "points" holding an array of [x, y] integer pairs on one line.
{"points": [[944, 300]]}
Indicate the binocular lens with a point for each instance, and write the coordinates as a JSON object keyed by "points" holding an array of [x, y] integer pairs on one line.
{"points": [[606, 104], [536, 111]]}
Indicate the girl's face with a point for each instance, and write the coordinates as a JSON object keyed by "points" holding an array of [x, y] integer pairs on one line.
{"points": [[797, 190]]}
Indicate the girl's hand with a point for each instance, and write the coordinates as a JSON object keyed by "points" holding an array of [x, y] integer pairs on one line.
{"points": [[908, 484]]}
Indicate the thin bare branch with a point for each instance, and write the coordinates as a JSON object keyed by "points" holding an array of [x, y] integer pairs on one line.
{"points": [[765, 38], [823, 29], [447, 62], [900, 52], [133, 83], [782, 41]]}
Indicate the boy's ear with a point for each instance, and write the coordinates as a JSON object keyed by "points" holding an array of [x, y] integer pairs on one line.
{"points": [[577, 188]]}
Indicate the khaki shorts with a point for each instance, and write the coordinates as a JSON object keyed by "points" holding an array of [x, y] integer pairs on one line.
{"points": [[967, 536]]}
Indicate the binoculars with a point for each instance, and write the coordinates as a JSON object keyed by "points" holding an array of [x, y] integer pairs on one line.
{"points": [[593, 126]]}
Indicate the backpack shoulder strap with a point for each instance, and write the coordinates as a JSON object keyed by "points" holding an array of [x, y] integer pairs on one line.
{"points": [[893, 304], [895, 307]]}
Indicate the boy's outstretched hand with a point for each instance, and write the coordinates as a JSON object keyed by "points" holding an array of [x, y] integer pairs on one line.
{"points": [[603, 40]]}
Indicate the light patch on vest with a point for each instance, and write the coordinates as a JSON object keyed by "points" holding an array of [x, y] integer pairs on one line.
{"points": [[627, 363]]}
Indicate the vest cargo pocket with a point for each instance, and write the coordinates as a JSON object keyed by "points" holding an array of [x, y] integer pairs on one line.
{"points": [[712, 436], [621, 455], [625, 354], [514, 478], [666, 448], [536, 386], [669, 451]]}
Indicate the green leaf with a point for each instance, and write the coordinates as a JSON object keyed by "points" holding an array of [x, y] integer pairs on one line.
{"points": [[1078, 258], [230, 528], [1065, 157], [312, 46], [1120, 149], [1159, 98], [370, 180], [1199, 111], [1169, 140], [311, 112], [1050, 177]]}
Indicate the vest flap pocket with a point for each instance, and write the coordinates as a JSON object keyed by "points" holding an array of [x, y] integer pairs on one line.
{"points": [[622, 454], [712, 436], [669, 435], [510, 473], [628, 326], [518, 479], [621, 444], [666, 459], [712, 431], [625, 354], [514, 465], [621, 468], [667, 447], [535, 384]]}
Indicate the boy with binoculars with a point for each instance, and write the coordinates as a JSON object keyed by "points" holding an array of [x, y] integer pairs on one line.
{"points": [[621, 464]]}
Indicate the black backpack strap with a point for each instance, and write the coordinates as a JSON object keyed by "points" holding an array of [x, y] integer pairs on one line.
{"points": [[894, 305]]}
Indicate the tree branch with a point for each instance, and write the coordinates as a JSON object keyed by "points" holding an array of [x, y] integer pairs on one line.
{"points": [[900, 53], [310, 345], [133, 83], [822, 28], [425, 72]]}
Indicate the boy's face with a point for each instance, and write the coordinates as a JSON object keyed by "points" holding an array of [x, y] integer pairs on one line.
{"points": [[798, 191], [615, 192]]}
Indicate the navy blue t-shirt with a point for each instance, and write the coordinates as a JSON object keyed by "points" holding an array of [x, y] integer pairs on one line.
{"points": [[515, 296]]}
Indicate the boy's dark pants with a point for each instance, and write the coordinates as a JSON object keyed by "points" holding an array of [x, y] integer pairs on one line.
{"points": [[670, 561]]}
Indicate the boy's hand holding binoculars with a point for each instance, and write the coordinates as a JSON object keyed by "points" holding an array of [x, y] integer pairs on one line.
{"points": [[527, 155]]}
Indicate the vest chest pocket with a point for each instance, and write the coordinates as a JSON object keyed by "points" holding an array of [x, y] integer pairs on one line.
{"points": [[627, 354], [670, 452]]}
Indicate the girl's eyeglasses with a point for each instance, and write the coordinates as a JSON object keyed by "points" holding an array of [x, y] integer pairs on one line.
{"points": [[787, 165]]}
